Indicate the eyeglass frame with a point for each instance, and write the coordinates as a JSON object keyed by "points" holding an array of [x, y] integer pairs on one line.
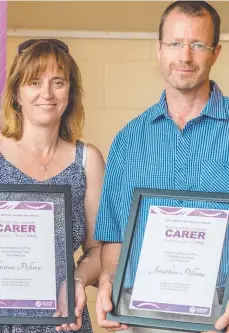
{"points": [[206, 48], [55, 42]]}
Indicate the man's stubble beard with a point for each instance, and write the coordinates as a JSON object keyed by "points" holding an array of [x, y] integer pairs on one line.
{"points": [[185, 84]]}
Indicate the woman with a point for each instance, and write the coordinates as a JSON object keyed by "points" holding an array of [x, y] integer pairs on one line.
{"points": [[42, 121]]}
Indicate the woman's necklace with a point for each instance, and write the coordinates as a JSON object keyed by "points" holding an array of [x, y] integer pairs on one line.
{"points": [[44, 165]]}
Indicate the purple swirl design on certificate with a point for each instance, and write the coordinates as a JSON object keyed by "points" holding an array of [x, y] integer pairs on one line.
{"points": [[27, 304], [26, 205], [183, 211], [172, 308]]}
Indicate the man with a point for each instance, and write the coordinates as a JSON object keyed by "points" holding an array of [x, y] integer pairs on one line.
{"points": [[181, 143]]}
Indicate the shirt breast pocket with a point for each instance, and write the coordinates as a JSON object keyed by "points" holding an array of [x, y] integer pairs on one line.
{"points": [[215, 176]]}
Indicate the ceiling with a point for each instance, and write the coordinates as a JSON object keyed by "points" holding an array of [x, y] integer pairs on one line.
{"points": [[139, 16]]}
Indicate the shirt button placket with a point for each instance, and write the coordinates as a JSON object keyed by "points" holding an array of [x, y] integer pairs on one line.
{"points": [[181, 161]]}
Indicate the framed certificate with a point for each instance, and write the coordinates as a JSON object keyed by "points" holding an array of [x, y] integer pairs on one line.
{"points": [[36, 255], [173, 268]]}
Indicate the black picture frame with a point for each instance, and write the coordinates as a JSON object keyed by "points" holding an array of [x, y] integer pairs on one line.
{"points": [[114, 315], [65, 191]]}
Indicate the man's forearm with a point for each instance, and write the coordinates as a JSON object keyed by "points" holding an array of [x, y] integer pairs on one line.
{"points": [[109, 256]]}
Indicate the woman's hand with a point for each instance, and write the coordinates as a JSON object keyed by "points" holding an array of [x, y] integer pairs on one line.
{"points": [[80, 301]]}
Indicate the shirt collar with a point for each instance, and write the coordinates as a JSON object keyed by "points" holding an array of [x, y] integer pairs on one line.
{"points": [[214, 108]]}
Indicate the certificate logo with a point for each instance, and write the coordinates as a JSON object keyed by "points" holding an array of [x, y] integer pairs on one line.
{"points": [[38, 304], [199, 310], [192, 309], [43, 304]]}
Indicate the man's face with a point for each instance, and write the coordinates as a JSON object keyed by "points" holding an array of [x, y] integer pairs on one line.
{"points": [[184, 68]]}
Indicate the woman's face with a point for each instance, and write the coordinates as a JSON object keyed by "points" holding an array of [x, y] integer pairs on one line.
{"points": [[45, 99]]}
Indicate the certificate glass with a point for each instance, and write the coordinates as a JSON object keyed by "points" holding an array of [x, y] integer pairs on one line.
{"points": [[173, 268], [36, 255]]}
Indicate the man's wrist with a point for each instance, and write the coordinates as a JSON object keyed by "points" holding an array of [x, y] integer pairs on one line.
{"points": [[106, 277]]}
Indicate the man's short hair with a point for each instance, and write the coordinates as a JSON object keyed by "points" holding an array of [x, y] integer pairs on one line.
{"points": [[193, 8]]}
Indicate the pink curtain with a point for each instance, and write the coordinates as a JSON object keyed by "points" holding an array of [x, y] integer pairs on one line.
{"points": [[3, 26]]}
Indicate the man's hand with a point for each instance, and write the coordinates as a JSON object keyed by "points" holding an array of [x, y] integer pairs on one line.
{"points": [[80, 301], [223, 321], [103, 306]]}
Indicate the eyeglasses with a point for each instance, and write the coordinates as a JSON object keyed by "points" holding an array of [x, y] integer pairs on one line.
{"points": [[55, 42], [195, 47]]}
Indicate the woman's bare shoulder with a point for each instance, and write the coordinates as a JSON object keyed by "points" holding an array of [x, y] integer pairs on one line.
{"points": [[94, 167], [2, 140], [7, 144], [93, 153]]}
